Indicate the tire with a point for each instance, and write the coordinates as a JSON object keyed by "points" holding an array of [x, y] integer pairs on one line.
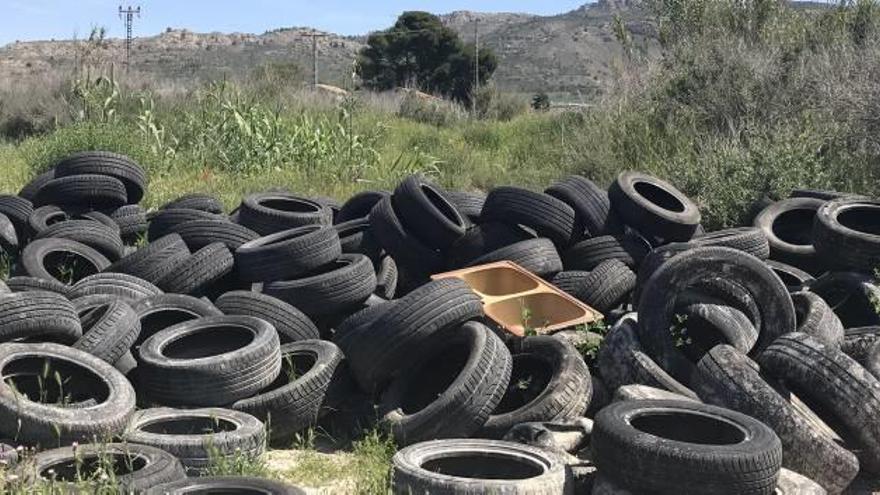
{"points": [[653, 207], [195, 201], [109, 330], [156, 313], [198, 234], [851, 295], [18, 210], [746, 239], [359, 205], [621, 361], [792, 483], [709, 324], [788, 226], [469, 204], [483, 239], [132, 222], [845, 235], [153, 467], [819, 194], [606, 287], [408, 251], [220, 370], [538, 256], [386, 278], [592, 208], [858, 341], [644, 392], [396, 339], [656, 306], [38, 316], [268, 213], [452, 391], [548, 216], [793, 278], [29, 191], [287, 254], [588, 254], [44, 258], [154, 261], [817, 319], [84, 376], [425, 210], [165, 222], [41, 218], [110, 164], [201, 270], [91, 191], [358, 322], [355, 237], [32, 284], [93, 234], [229, 434], [226, 484], [127, 288], [562, 389], [294, 401], [727, 378], [455, 467], [292, 324], [838, 388], [338, 287], [8, 238], [729, 453]]}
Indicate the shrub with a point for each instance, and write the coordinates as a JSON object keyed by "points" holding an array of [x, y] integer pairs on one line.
{"points": [[427, 110]]}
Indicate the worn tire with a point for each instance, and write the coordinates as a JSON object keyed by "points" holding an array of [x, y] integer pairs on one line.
{"points": [[793, 278], [114, 165], [483, 239], [128, 288], [196, 274], [37, 423], [538, 256], [835, 386], [268, 213], [563, 391], [132, 222], [156, 313], [816, 318], [426, 211], [845, 234], [197, 451], [851, 295], [395, 340], [548, 216], [155, 467], [592, 208], [403, 246], [726, 377], [335, 288], [195, 201], [34, 284], [653, 207], [292, 324], [18, 210], [452, 391], [200, 233], [154, 261], [469, 204], [226, 484], [539, 472], [37, 254], [38, 316], [589, 253], [747, 461], [165, 222], [109, 330], [287, 254], [296, 399], [89, 190], [788, 225], [359, 205], [216, 373]]}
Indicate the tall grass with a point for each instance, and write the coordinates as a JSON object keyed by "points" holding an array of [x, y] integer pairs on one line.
{"points": [[745, 99]]}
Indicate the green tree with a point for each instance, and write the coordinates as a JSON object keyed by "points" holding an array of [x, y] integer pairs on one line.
{"points": [[420, 51]]}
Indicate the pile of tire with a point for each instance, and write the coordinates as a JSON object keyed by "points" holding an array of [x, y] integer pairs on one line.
{"points": [[738, 361]]}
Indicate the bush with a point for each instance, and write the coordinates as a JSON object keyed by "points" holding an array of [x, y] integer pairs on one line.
{"points": [[428, 110], [493, 104], [541, 101]]}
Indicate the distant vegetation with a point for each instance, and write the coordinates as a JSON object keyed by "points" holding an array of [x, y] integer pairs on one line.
{"points": [[420, 52], [746, 98]]}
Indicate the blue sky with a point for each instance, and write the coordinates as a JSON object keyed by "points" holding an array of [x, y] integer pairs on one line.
{"points": [[46, 19]]}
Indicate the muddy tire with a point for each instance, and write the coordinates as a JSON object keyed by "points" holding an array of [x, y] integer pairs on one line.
{"points": [[788, 225]]}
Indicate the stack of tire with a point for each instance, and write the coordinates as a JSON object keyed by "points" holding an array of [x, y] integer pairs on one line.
{"points": [[734, 363]]}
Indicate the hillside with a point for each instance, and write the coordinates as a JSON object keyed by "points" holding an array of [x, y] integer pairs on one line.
{"points": [[566, 53]]}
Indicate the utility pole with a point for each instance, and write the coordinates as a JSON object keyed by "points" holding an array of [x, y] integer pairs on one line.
{"points": [[127, 15], [476, 64], [315, 37]]}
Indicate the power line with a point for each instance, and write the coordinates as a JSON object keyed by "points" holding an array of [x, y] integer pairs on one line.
{"points": [[315, 37], [128, 14], [476, 64]]}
